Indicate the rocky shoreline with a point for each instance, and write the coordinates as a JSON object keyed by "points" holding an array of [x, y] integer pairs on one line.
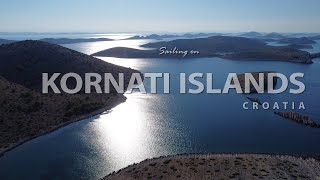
{"points": [[222, 166], [27, 112], [254, 100], [80, 118], [296, 117]]}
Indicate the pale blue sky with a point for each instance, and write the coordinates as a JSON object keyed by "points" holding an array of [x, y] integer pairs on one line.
{"points": [[159, 16]]}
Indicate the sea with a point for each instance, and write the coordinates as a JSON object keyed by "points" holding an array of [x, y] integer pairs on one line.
{"points": [[152, 125]]}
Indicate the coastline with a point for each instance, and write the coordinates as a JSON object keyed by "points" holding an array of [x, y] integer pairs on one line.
{"points": [[121, 99], [233, 165]]}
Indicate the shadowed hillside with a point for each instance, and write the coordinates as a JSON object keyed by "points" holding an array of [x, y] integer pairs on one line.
{"points": [[24, 62], [25, 112]]}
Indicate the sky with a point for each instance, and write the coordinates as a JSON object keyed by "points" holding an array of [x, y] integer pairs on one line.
{"points": [[159, 16]]}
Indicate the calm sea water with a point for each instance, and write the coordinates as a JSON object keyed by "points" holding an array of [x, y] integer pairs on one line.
{"points": [[152, 125]]}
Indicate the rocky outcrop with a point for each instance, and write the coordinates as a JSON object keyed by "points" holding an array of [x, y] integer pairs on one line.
{"points": [[241, 78], [254, 100], [296, 117]]}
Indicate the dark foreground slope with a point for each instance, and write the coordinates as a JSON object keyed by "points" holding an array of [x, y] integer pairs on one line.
{"points": [[237, 48], [25, 112], [221, 166], [24, 62]]}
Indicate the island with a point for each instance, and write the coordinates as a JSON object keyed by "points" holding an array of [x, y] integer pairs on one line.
{"points": [[25, 111], [169, 36], [299, 46], [302, 40], [154, 36], [221, 166], [317, 37], [294, 116], [251, 34], [301, 119], [255, 75], [72, 41], [274, 35], [227, 47]]}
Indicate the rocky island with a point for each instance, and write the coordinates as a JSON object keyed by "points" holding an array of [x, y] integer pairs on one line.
{"points": [[296, 117], [25, 111]]}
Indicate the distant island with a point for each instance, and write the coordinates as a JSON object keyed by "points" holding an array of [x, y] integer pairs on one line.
{"points": [[25, 111], [274, 35], [168, 36], [302, 40], [227, 47], [221, 166], [268, 36], [251, 34], [317, 37], [71, 41], [62, 40]]}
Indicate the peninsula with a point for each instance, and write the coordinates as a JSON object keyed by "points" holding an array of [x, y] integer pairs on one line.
{"points": [[221, 166]]}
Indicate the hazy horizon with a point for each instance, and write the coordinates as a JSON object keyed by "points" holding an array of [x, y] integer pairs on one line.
{"points": [[287, 16]]}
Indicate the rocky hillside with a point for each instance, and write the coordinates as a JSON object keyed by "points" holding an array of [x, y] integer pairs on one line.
{"points": [[221, 166], [24, 62], [25, 112]]}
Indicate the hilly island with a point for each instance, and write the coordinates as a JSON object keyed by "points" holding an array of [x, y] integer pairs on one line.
{"points": [[26, 112], [226, 47]]}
